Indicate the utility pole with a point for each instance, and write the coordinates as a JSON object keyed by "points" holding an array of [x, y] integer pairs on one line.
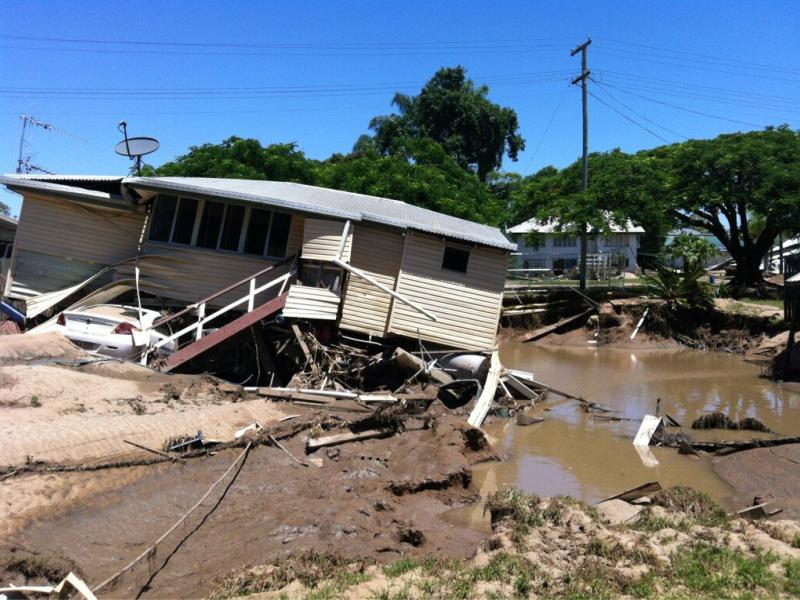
{"points": [[583, 78]]}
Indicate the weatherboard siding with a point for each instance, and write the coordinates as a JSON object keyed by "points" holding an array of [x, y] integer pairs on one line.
{"points": [[466, 305], [190, 274], [377, 251], [62, 242], [321, 238]]}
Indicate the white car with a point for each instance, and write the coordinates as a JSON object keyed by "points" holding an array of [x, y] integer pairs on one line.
{"points": [[109, 329]]}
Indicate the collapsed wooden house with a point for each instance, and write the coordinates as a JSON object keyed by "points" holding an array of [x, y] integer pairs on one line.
{"points": [[372, 266]]}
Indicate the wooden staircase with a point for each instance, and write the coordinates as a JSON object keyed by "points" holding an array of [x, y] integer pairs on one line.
{"points": [[281, 274]]}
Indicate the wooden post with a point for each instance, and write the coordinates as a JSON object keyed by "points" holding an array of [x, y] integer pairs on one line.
{"points": [[201, 314]]}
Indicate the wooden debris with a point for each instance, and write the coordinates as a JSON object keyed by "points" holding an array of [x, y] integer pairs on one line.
{"points": [[282, 447], [156, 452], [758, 511], [304, 347], [646, 489], [486, 397], [647, 429], [547, 330], [524, 420], [343, 438]]}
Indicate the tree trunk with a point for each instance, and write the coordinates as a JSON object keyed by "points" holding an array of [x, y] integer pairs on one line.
{"points": [[748, 271]]}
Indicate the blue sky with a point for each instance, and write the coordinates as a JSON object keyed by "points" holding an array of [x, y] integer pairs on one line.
{"points": [[316, 72]]}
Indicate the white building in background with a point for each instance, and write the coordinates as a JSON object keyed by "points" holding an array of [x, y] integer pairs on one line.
{"points": [[542, 248]]}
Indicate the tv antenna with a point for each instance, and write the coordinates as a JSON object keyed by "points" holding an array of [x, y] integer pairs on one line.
{"points": [[24, 162], [135, 147]]}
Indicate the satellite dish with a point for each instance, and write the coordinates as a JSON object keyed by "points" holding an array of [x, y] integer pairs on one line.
{"points": [[135, 147]]}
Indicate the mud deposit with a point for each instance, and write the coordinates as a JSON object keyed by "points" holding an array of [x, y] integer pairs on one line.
{"points": [[378, 499]]}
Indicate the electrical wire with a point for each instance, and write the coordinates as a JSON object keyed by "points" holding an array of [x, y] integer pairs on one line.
{"points": [[626, 117], [546, 130], [638, 114], [719, 59], [690, 110]]}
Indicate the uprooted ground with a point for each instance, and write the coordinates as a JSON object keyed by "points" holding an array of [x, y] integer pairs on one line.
{"points": [[679, 546]]}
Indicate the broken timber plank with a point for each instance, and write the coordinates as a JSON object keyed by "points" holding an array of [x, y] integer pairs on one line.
{"points": [[646, 489], [343, 438], [304, 347], [548, 329], [486, 398]]}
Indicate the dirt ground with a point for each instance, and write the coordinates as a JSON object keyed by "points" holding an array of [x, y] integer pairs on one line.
{"points": [[58, 405], [378, 499]]}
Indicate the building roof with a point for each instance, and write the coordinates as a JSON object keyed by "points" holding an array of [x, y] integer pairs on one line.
{"points": [[554, 226], [327, 202], [67, 187]]}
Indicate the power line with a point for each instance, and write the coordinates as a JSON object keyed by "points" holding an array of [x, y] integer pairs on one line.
{"points": [[626, 117], [312, 45], [671, 83], [642, 58], [546, 130], [720, 59], [638, 114], [292, 52], [683, 108]]}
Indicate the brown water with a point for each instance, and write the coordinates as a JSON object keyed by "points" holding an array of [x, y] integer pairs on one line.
{"points": [[573, 453]]}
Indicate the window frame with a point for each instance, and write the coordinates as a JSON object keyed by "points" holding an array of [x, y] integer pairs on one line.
{"points": [[240, 249], [565, 241], [458, 248]]}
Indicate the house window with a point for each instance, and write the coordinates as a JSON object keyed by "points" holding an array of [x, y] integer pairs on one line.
{"points": [[614, 240], [279, 235], [232, 227], [220, 226], [162, 217], [210, 222], [184, 221], [257, 231], [565, 241], [455, 259], [267, 233]]}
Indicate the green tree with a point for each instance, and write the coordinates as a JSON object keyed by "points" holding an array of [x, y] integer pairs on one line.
{"points": [[239, 158], [694, 250], [419, 172], [452, 111], [744, 188], [623, 187]]}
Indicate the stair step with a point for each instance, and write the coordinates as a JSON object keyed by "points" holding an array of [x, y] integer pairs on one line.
{"points": [[223, 333]]}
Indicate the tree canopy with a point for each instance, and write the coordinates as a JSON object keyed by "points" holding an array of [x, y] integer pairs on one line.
{"points": [[458, 115], [444, 146], [243, 159], [744, 188]]}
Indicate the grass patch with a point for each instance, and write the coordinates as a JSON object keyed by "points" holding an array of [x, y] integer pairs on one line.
{"points": [[796, 541], [697, 506], [327, 575], [791, 569], [771, 302], [721, 572], [35, 402], [397, 568]]}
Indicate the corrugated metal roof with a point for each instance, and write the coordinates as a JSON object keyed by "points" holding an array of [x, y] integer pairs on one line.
{"points": [[334, 203], [537, 226], [70, 191], [73, 178]]}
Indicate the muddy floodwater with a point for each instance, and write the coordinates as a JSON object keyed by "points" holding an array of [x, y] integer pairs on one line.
{"points": [[574, 453]]}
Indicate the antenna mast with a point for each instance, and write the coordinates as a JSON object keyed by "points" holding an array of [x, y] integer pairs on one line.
{"points": [[24, 162]]}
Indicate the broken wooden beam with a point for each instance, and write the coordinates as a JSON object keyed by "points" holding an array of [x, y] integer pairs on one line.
{"points": [[343, 438], [486, 397], [640, 491]]}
